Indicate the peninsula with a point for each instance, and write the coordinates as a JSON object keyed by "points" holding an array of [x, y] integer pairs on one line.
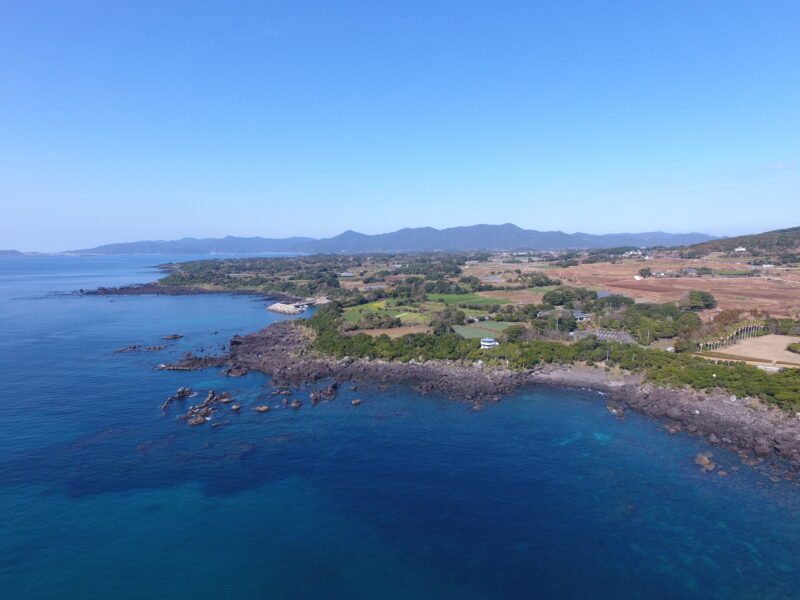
{"points": [[704, 341]]}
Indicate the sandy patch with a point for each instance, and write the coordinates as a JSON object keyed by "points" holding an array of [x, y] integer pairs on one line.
{"points": [[769, 348]]}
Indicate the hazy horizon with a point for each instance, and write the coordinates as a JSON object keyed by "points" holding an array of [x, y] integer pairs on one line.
{"points": [[159, 121], [300, 235]]}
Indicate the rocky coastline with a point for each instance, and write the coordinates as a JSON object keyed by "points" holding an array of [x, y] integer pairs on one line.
{"points": [[153, 288], [748, 426]]}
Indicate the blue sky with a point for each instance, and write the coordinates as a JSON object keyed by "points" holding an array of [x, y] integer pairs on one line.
{"points": [[123, 121]]}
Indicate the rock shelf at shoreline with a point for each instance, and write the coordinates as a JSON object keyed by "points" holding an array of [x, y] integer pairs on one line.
{"points": [[127, 348], [744, 424]]}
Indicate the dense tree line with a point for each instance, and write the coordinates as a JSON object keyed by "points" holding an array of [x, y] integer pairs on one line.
{"points": [[568, 296], [649, 322]]}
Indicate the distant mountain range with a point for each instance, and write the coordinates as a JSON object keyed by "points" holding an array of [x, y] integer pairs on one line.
{"points": [[770, 242], [420, 239], [10, 253]]}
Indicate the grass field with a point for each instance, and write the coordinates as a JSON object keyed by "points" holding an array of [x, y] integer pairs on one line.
{"points": [[470, 332], [482, 329], [393, 332], [453, 298], [494, 325], [408, 315], [466, 299]]}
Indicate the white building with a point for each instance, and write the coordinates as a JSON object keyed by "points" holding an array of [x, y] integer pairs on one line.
{"points": [[488, 343]]}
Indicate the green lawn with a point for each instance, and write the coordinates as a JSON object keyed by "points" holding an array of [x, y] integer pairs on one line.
{"points": [[351, 316], [482, 329], [495, 325], [453, 298], [466, 299], [470, 332], [407, 314]]}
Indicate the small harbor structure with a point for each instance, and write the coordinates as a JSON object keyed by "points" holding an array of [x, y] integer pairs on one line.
{"points": [[295, 308], [488, 343]]}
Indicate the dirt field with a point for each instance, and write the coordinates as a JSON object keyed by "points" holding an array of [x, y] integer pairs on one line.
{"points": [[775, 296], [772, 294], [778, 293], [767, 348], [745, 293]]}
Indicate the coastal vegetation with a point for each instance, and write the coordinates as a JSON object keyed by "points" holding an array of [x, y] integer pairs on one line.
{"points": [[657, 366], [386, 291], [437, 305]]}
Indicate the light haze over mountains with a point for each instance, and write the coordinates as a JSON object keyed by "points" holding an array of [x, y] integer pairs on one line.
{"points": [[474, 237]]}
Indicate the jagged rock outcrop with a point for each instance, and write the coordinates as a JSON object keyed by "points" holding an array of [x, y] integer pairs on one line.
{"points": [[282, 351]]}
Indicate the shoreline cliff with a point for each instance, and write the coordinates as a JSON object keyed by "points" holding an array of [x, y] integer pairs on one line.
{"points": [[745, 425]]}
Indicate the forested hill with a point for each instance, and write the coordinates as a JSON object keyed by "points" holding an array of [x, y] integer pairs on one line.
{"points": [[420, 239], [770, 242]]}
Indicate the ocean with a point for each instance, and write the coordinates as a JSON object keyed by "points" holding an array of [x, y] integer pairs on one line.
{"points": [[542, 495]]}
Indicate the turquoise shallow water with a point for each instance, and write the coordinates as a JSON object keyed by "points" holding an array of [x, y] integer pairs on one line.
{"points": [[543, 495]]}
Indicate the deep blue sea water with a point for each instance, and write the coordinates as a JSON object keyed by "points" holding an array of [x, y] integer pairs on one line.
{"points": [[543, 495]]}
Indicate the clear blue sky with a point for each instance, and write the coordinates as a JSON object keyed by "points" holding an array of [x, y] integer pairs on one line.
{"points": [[136, 120]]}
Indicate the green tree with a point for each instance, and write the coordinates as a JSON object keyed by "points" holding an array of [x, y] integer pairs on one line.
{"points": [[515, 332], [697, 300]]}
